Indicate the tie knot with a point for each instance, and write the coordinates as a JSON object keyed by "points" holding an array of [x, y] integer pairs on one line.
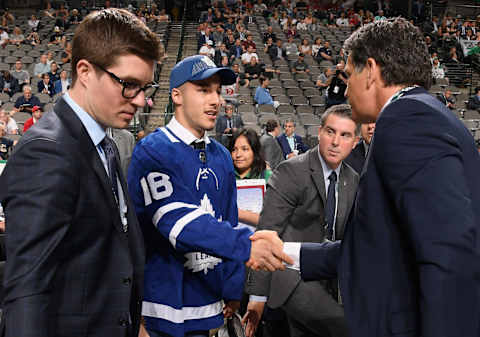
{"points": [[333, 177]]}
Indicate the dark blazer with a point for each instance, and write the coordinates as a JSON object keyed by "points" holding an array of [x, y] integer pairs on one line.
{"points": [[272, 51], [221, 125], [409, 261], [271, 150], [58, 86], [14, 86], [294, 207], [300, 146], [51, 89], [356, 158], [71, 270]]}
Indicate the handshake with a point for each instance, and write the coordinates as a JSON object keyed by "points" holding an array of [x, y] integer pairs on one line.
{"points": [[267, 252]]}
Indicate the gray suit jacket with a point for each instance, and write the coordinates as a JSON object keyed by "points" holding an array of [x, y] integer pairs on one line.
{"points": [[272, 151], [125, 142], [294, 207]]}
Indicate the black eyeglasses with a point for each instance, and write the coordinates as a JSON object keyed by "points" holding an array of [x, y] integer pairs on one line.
{"points": [[131, 89]]}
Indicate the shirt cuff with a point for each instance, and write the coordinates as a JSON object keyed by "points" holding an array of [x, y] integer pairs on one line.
{"points": [[292, 249], [253, 298]]}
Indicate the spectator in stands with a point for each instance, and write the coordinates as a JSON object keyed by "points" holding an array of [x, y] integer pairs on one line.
{"points": [[291, 143], [17, 37], [8, 83], [437, 70], [83, 10], [75, 17], [277, 51], [291, 47], [324, 79], [248, 55], [255, 69], [220, 53], [41, 67], [271, 148], [56, 37], [337, 87], [380, 16], [249, 163], [269, 34], [33, 22], [269, 44], [208, 16], [33, 38], [316, 46], [61, 16], [249, 43], [26, 102], [227, 124], [3, 37], [305, 47], [6, 144], [230, 42], [447, 98], [325, 53], [54, 73], [242, 81], [204, 36], [342, 21], [474, 101], [208, 50], [63, 84], [218, 36], [67, 53], [236, 50], [7, 18], [357, 157], [11, 127], [37, 113], [22, 76], [262, 94], [45, 86], [453, 56], [299, 66], [218, 18], [49, 10]]}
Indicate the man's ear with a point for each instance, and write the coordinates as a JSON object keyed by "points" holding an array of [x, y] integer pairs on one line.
{"points": [[177, 97], [84, 71], [373, 72]]}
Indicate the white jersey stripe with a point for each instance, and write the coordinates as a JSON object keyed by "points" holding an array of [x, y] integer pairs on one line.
{"points": [[168, 313], [167, 208], [182, 222]]}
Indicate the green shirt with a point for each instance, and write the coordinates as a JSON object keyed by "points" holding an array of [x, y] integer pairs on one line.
{"points": [[265, 175]]}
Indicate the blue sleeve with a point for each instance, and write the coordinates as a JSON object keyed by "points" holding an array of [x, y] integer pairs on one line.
{"points": [[429, 189], [161, 196], [319, 261]]}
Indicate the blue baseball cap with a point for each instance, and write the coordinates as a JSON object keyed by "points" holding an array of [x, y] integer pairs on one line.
{"points": [[199, 67]]}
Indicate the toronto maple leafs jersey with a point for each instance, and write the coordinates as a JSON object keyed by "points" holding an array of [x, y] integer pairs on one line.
{"points": [[185, 200]]}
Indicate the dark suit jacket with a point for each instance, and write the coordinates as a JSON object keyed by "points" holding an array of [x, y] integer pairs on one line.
{"points": [[273, 52], [14, 86], [294, 207], [222, 123], [356, 158], [272, 150], [50, 88], [282, 140], [71, 270], [409, 261]]}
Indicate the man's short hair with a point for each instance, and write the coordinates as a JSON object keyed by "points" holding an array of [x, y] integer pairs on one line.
{"points": [[289, 120], [477, 89], [397, 46], [271, 125], [107, 34], [340, 110]]}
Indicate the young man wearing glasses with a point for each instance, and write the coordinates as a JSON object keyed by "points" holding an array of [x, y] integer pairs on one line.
{"points": [[183, 186], [75, 250]]}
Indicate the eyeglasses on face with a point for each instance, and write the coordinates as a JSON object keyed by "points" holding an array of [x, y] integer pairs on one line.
{"points": [[130, 89]]}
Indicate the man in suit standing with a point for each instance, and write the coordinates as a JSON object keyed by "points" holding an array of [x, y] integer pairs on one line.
{"points": [[408, 264], [291, 144], [270, 147], [227, 124], [308, 199], [357, 157], [75, 250]]}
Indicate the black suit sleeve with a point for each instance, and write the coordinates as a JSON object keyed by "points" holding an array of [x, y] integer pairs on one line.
{"points": [[39, 201], [319, 261], [430, 192]]}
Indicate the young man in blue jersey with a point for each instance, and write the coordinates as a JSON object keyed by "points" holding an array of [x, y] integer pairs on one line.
{"points": [[183, 187]]}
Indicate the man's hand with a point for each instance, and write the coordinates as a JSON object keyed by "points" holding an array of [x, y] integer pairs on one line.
{"points": [[143, 332], [230, 308], [252, 317], [267, 252], [291, 154]]}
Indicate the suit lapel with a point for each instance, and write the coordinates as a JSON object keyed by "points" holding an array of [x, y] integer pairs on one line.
{"points": [[70, 119], [317, 173], [346, 192]]}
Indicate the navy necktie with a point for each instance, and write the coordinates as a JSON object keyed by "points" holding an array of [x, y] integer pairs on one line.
{"points": [[109, 148], [330, 206]]}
